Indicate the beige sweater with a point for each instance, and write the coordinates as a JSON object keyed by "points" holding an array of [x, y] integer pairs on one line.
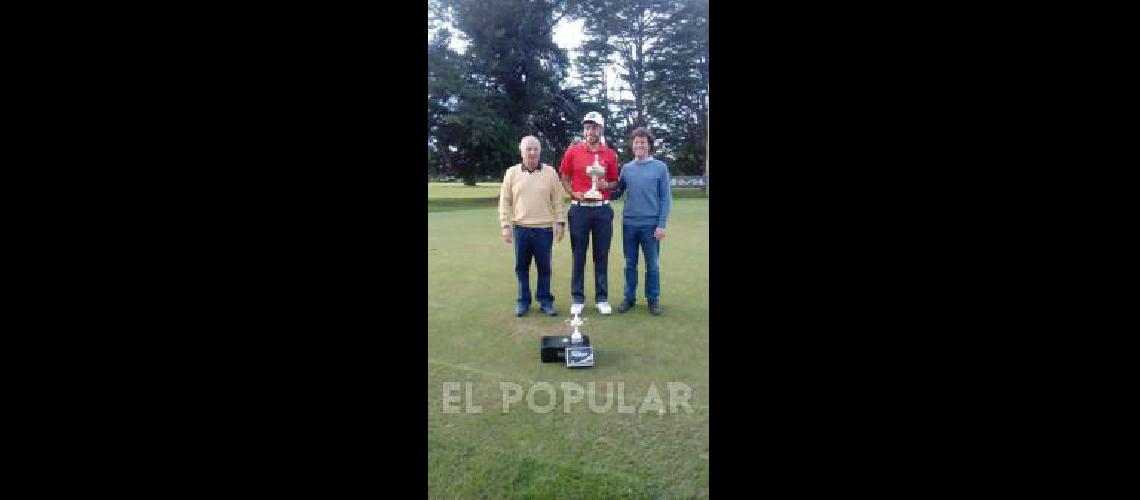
{"points": [[531, 200]]}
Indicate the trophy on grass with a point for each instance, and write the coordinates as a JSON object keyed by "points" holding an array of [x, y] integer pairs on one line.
{"points": [[576, 321], [574, 349], [594, 171], [579, 354]]}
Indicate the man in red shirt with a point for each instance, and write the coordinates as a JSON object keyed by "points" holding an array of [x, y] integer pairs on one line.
{"points": [[590, 217]]}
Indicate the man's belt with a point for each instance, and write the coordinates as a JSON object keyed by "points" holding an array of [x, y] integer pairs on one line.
{"points": [[590, 203]]}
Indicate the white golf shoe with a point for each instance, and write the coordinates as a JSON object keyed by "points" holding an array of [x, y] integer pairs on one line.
{"points": [[604, 307], [576, 308]]}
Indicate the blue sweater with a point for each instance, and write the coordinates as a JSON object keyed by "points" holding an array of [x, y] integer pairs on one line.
{"points": [[649, 197]]}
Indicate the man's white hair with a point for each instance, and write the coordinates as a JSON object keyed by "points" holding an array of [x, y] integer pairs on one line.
{"points": [[522, 143]]}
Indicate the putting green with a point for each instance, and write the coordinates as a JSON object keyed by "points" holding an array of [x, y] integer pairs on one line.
{"points": [[475, 342]]}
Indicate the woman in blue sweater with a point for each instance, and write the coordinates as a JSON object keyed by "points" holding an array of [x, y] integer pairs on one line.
{"points": [[646, 180]]}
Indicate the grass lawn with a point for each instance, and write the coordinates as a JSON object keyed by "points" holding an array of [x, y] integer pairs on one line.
{"points": [[449, 196], [473, 338]]}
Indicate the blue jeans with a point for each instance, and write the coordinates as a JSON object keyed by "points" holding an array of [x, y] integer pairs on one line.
{"points": [[584, 221], [632, 237], [537, 243]]}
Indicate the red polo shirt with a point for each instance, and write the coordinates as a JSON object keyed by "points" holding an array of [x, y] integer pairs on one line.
{"points": [[578, 157]]}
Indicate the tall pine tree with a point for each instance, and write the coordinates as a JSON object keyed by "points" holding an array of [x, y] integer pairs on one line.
{"points": [[511, 73]]}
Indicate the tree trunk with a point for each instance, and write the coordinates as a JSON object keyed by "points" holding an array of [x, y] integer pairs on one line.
{"points": [[445, 153]]}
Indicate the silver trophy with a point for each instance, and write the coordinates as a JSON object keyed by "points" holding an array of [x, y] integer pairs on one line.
{"points": [[576, 321], [579, 354], [594, 171], [574, 350]]}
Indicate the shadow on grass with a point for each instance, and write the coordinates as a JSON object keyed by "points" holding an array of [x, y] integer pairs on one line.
{"points": [[689, 193], [449, 204]]}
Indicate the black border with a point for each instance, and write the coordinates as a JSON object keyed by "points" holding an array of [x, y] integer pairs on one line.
{"points": [[280, 237], [862, 257]]}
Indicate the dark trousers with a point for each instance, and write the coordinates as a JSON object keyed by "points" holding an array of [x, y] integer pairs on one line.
{"points": [[584, 222], [537, 243]]}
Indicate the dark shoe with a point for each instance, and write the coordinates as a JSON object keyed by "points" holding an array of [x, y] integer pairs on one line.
{"points": [[550, 310], [655, 308], [624, 306], [520, 310]]}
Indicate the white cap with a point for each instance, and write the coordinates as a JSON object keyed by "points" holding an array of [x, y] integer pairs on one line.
{"points": [[595, 117]]}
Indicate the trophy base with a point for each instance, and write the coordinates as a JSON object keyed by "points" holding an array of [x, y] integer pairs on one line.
{"points": [[593, 196], [579, 356], [552, 348]]}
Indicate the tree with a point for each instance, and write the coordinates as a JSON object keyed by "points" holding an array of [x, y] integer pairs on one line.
{"points": [[448, 94], [678, 86], [629, 34], [507, 85]]}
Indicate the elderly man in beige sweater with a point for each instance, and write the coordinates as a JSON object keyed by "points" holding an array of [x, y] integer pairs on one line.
{"points": [[531, 215]]}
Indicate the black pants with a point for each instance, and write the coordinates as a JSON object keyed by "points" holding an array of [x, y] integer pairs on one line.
{"points": [[585, 221]]}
